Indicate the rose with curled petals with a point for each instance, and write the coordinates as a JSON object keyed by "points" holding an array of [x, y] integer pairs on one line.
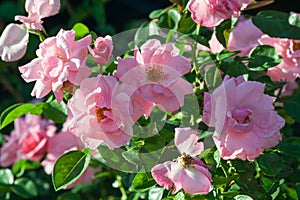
{"points": [[244, 118]]}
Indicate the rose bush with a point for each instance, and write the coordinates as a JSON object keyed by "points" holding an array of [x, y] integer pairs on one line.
{"points": [[199, 102]]}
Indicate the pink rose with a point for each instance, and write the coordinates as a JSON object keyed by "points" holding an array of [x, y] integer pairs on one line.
{"points": [[244, 124], [102, 50], [244, 37], [13, 42], [289, 50], [187, 172], [155, 73], [37, 10], [28, 140], [101, 112], [211, 13], [60, 61]]}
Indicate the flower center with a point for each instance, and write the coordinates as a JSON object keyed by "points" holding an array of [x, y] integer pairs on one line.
{"points": [[100, 113], [68, 87], [296, 46], [155, 73], [186, 161], [30, 142], [242, 116]]}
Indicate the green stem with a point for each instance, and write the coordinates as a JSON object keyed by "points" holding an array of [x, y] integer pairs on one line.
{"points": [[122, 189]]}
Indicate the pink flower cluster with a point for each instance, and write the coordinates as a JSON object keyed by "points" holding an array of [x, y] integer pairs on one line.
{"points": [[35, 139], [187, 172], [104, 110], [244, 124]]}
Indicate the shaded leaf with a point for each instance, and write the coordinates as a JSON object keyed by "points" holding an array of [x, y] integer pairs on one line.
{"points": [[68, 168], [270, 163], [292, 106], [263, 57], [278, 24], [25, 188], [290, 147], [57, 112]]}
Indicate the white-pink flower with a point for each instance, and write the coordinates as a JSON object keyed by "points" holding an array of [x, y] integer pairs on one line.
{"points": [[13, 42], [289, 50], [37, 10], [155, 72], [187, 172], [244, 118], [102, 51], [60, 61], [28, 140], [211, 13], [101, 111]]}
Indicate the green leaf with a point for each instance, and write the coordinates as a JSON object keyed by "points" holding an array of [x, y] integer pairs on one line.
{"points": [[175, 17], [242, 197], [6, 176], [233, 67], [212, 78], [142, 181], [278, 24], [57, 112], [68, 196], [290, 147], [225, 54], [131, 156], [22, 165], [292, 106], [2, 139], [222, 31], [270, 164], [298, 189], [68, 168], [156, 193], [25, 188], [17, 110], [269, 185], [263, 57], [157, 13], [186, 24], [81, 30]]}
